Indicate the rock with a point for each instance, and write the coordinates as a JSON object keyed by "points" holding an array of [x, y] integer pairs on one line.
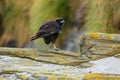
{"points": [[98, 59], [86, 65], [98, 45], [117, 56], [18, 69], [49, 56], [98, 76], [15, 68]]}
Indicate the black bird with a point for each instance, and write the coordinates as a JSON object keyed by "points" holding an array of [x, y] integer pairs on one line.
{"points": [[49, 31]]}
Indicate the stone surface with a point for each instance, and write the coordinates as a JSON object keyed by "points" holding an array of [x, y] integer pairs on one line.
{"points": [[98, 76], [14, 68], [21, 68], [117, 56], [49, 56], [98, 45], [99, 59]]}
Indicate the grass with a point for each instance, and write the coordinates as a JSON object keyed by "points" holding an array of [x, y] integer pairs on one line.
{"points": [[23, 18]]}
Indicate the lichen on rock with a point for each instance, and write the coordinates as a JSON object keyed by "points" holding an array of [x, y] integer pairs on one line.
{"points": [[99, 45], [98, 59]]}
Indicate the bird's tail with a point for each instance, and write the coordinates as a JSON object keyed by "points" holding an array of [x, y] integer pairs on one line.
{"points": [[34, 37]]}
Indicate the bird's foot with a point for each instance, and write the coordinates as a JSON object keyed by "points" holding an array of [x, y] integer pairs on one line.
{"points": [[48, 49], [56, 49]]}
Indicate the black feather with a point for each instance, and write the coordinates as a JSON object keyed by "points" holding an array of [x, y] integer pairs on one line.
{"points": [[50, 30]]}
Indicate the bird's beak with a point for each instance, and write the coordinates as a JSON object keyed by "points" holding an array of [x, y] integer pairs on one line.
{"points": [[62, 21]]}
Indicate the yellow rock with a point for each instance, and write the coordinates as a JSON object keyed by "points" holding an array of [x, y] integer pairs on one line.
{"points": [[99, 45], [93, 35], [50, 56], [100, 76], [23, 77]]}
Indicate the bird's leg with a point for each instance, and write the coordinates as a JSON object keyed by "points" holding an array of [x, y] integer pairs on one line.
{"points": [[54, 47], [48, 47]]}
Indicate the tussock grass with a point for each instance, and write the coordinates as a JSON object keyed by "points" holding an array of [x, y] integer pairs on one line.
{"points": [[102, 16], [23, 18]]}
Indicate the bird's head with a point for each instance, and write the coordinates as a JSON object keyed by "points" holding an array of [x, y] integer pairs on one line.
{"points": [[60, 21]]}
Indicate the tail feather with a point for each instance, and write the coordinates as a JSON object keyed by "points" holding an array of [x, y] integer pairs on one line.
{"points": [[34, 37]]}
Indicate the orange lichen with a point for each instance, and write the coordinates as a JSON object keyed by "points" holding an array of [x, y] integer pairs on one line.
{"points": [[23, 77], [99, 76], [53, 77], [108, 37], [94, 35]]}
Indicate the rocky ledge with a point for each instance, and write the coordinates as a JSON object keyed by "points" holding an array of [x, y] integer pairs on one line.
{"points": [[98, 59]]}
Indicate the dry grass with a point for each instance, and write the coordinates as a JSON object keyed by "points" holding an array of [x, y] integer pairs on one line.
{"points": [[102, 16], [23, 18], [15, 15]]}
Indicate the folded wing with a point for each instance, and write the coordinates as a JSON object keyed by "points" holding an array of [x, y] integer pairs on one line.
{"points": [[48, 29]]}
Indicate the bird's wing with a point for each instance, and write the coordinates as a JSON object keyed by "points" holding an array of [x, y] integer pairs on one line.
{"points": [[48, 29]]}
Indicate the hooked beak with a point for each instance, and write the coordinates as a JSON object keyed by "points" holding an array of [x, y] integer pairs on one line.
{"points": [[62, 21]]}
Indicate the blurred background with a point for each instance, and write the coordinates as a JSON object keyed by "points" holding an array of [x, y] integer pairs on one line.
{"points": [[21, 19]]}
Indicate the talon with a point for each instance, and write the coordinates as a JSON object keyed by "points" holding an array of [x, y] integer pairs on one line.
{"points": [[57, 49], [54, 47]]}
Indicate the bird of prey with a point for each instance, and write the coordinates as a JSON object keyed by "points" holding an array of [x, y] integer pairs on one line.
{"points": [[49, 31]]}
